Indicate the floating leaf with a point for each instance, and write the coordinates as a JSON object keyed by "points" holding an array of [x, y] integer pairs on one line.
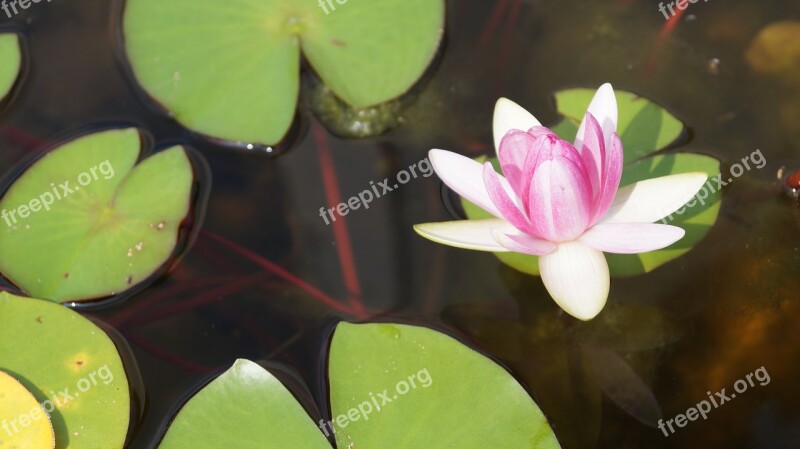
{"points": [[234, 72], [73, 370], [391, 386], [454, 397], [90, 222], [246, 407], [644, 127], [10, 62], [25, 423]]}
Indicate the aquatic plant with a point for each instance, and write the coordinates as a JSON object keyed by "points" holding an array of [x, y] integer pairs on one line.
{"points": [[391, 386], [89, 220], [10, 62], [73, 371], [560, 201], [233, 72]]}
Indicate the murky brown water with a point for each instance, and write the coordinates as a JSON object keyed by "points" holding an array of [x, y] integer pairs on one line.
{"points": [[695, 325]]}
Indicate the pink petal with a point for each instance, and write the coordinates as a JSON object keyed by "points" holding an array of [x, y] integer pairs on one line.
{"points": [[523, 243], [464, 176], [612, 173], [535, 154], [538, 131], [593, 153], [512, 153], [631, 238], [502, 199], [560, 197], [604, 109]]}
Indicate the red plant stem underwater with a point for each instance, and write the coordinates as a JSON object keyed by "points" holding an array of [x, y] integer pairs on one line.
{"points": [[169, 356], [666, 29], [492, 24], [280, 272], [339, 225]]}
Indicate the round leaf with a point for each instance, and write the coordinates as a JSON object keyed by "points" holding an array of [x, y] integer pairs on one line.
{"points": [[399, 386], [244, 408], [73, 370], [10, 62], [25, 423], [89, 222], [233, 71]]}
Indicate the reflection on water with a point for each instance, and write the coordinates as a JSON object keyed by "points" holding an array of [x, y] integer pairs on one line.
{"points": [[267, 278]]}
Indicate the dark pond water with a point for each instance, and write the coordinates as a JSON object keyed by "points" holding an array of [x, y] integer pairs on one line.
{"points": [[259, 281]]}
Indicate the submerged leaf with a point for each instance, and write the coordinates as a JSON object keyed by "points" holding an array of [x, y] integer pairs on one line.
{"points": [[234, 72], [73, 370], [89, 221], [621, 383]]}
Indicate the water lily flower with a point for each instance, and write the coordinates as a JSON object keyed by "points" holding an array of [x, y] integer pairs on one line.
{"points": [[561, 201]]}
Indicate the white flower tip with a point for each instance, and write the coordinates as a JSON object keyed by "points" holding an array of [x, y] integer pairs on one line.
{"points": [[695, 178], [577, 279], [465, 234], [509, 115]]}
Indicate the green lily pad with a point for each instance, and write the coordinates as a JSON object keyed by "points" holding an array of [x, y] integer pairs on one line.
{"points": [[10, 62], [246, 407], [440, 393], [391, 386], [73, 370], [233, 72], [644, 128], [26, 423], [85, 222]]}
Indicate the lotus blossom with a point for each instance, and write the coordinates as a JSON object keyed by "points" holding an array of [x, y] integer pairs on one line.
{"points": [[561, 201]]}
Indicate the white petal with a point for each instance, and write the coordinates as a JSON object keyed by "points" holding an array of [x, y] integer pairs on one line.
{"points": [[577, 278], [464, 176], [467, 234], [604, 109], [509, 115], [631, 238], [653, 199]]}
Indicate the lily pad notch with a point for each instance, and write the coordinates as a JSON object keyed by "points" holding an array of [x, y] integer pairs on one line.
{"points": [[233, 73], [94, 220]]}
